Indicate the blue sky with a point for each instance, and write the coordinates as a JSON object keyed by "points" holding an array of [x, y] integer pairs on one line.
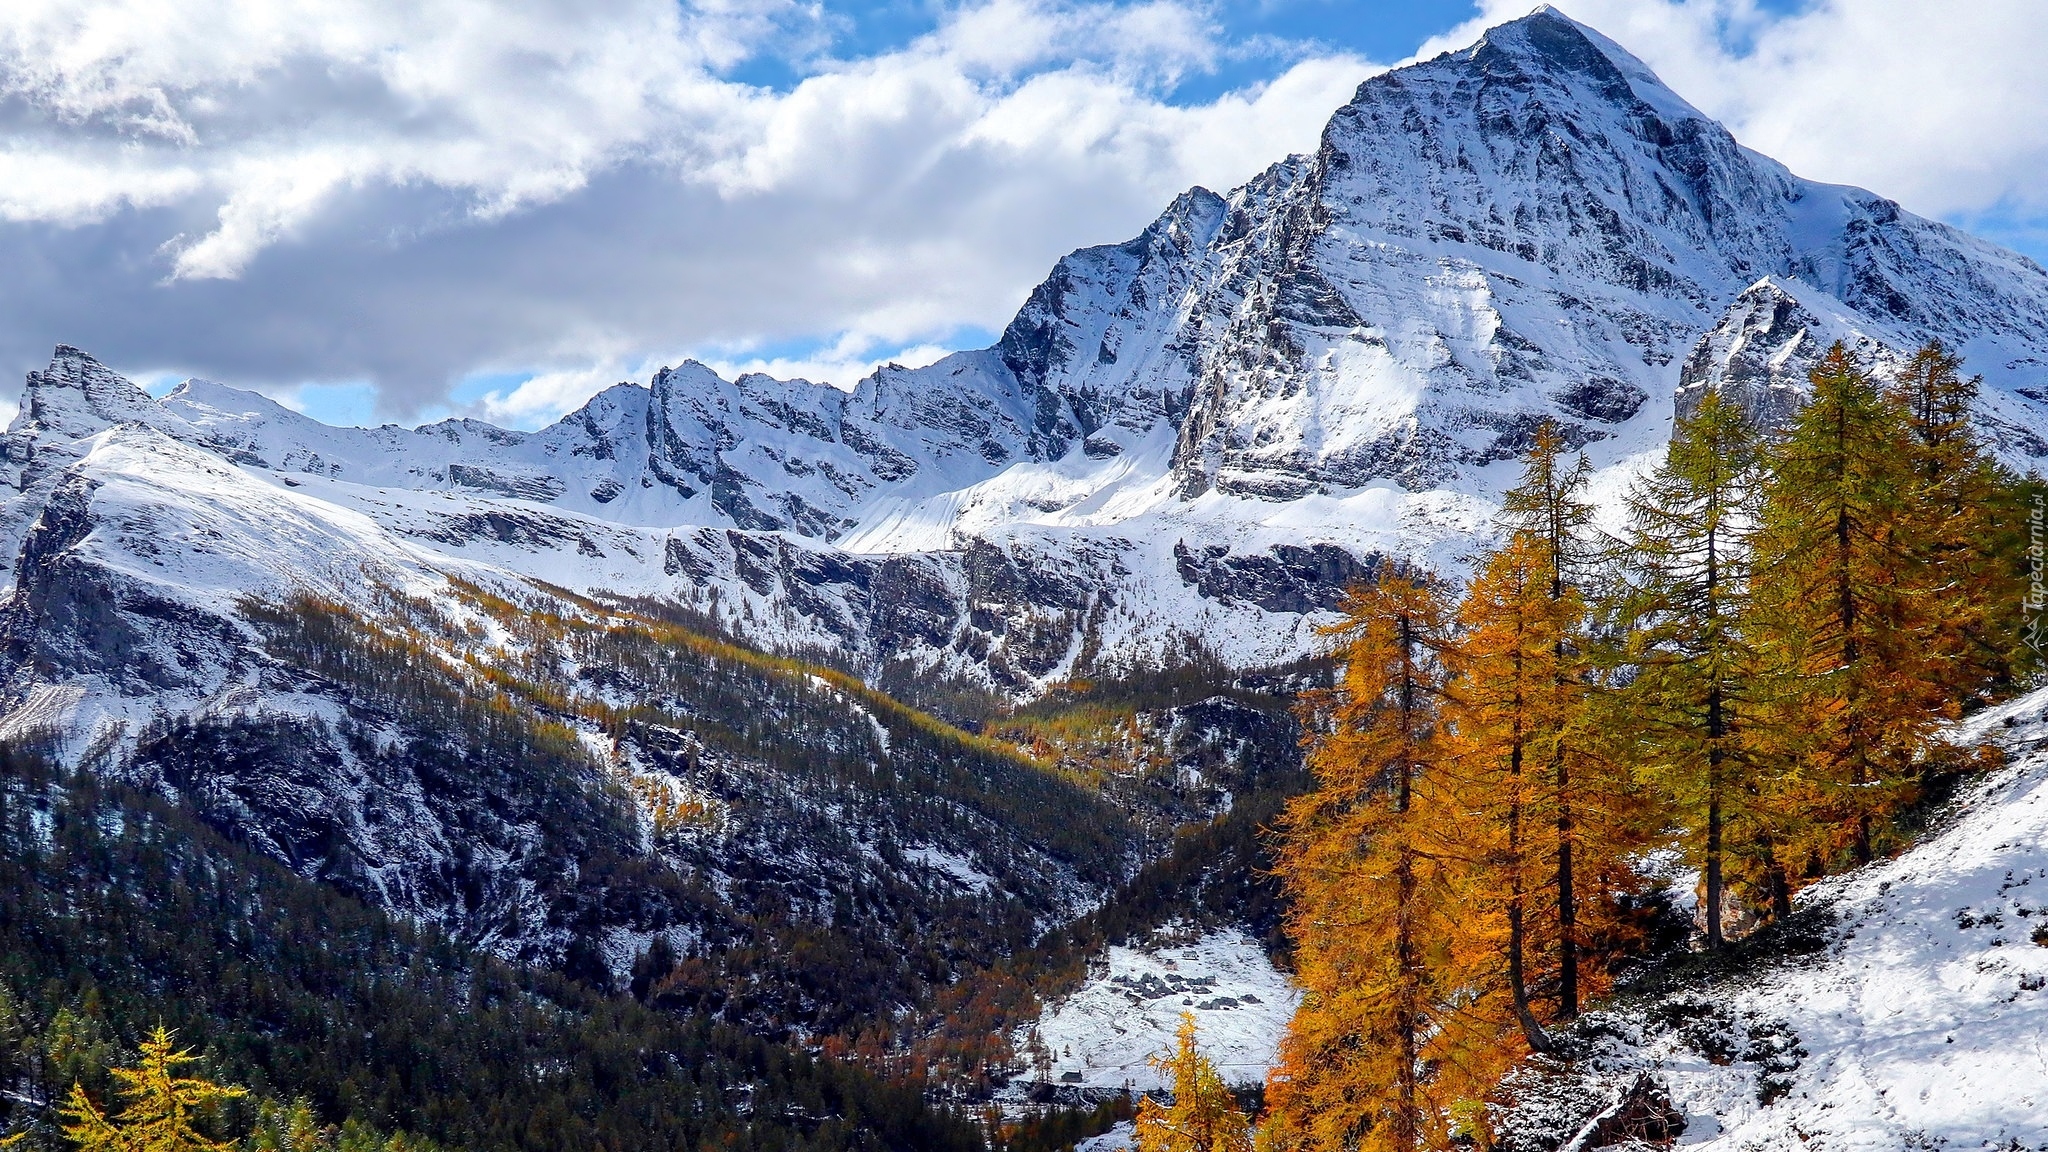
{"points": [[1270, 32], [394, 209]]}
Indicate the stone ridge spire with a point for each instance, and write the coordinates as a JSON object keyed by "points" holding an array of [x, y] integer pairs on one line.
{"points": [[77, 396]]}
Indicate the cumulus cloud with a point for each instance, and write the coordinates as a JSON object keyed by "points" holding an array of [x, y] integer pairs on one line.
{"points": [[282, 191], [274, 106]]}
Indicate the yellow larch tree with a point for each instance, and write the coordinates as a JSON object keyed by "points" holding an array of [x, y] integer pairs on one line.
{"points": [[1204, 1115], [1970, 528], [1509, 715], [160, 1108], [1582, 791], [1368, 899]]}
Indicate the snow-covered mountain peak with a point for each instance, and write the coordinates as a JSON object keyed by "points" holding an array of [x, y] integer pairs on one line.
{"points": [[1549, 40], [195, 396], [77, 396]]}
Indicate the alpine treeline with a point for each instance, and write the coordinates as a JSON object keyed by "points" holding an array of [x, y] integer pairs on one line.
{"points": [[1750, 670]]}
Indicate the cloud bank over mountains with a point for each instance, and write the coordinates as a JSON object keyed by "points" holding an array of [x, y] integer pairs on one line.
{"points": [[504, 207]]}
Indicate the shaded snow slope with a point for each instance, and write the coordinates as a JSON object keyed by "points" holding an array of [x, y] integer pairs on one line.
{"points": [[1102, 1034], [1121, 1138], [1921, 1021]]}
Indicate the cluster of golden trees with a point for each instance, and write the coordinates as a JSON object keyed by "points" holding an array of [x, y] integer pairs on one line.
{"points": [[1752, 671]]}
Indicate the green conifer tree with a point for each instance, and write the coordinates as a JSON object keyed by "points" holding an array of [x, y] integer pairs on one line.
{"points": [[1841, 622], [1687, 708], [289, 1128], [1968, 531]]}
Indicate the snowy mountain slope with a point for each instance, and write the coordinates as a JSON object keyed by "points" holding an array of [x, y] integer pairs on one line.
{"points": [[1762, 348], [1915, 1019], [1533, 227], [334, 672], [303, 657], [1350, 348], [474, 500]]}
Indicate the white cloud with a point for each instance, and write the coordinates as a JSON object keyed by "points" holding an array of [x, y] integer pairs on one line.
{"points": [[273, 106], [547, 395], [73, 188], [270, 105], [404, 190]]}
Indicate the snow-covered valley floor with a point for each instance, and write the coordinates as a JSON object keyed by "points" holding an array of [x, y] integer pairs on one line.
{"points": [[1101, 1035]]}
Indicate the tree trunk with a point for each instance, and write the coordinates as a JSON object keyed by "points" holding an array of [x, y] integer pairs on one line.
{"points": [[1713, 860], [1408, 1017], [1518, 982], [1407, 1021], [1567, 910], [1781, 887]]}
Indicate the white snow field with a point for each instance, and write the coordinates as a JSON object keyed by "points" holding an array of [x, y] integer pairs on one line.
{"points": [[1130, 1008], [1121, 1138]]}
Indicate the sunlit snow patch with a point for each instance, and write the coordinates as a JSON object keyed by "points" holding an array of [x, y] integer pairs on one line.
{"points": [[1122, 1138], [958, 869], [1100, 1036]]}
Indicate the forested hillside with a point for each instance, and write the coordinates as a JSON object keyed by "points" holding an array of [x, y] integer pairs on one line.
{"points": [[120, 913]]}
